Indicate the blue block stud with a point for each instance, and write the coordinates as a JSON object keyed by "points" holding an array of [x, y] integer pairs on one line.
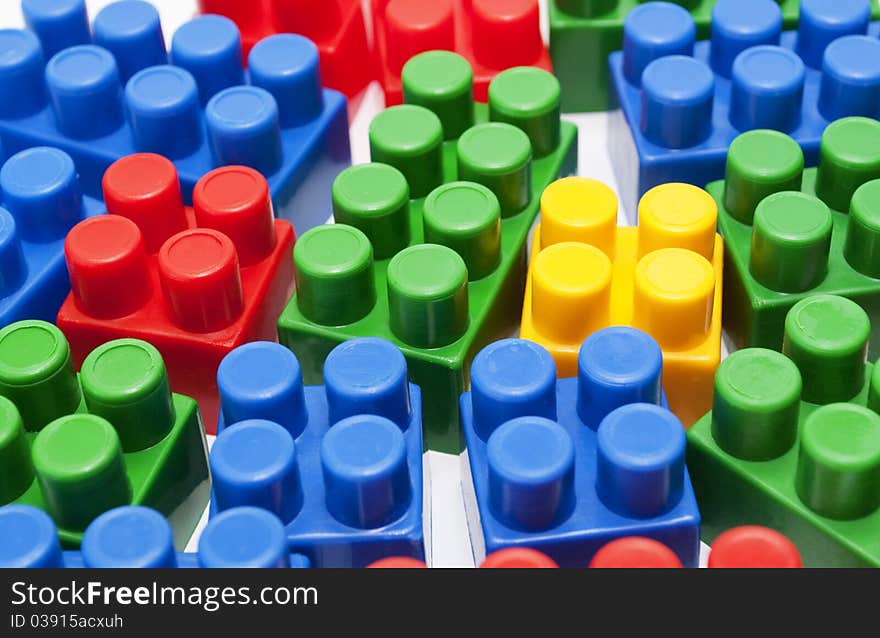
{"points": [[821, 22], [245, 537], [163, 111], [58, 23], [767, 90], [655, 30], [851, 78], [29, 538], [243, 128], [22, 89], [130, 536], [209, 47], [132, 32], [297, 86], [341, 465], [678, 93], [737, 26], [606, 463]]}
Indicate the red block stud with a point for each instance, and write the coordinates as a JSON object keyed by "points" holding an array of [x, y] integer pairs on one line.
{"points": [[506, 33], [756, 547], [397, 562], [518, 558], [635, 552], [415, 26], [304, 17]]}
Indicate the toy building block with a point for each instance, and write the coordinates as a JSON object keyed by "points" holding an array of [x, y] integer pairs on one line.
{"points": [[753, 547], [337, 28], [664, 277], [493, 35], [115, 435], [435, 265], [518, 558], [196, 105], [583, 33], [339, 464], [635, 552], [566, 466], [196, 283], [682, 104], [789, 442], [40, 200], [397, 562], [792, 233]]}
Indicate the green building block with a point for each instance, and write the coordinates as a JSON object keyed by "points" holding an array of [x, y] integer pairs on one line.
{"points": [[79, 445], [793, 440], [583, 33], [792, 233], [429, 248]]}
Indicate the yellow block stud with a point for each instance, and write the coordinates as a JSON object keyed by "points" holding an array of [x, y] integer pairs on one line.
{"points": [[677, 216], [580, 210]]}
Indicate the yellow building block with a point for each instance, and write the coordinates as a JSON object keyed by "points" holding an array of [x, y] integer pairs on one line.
{"points": [[664, 277]]}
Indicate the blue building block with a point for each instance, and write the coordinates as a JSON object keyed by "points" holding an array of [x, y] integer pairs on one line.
{"points": [[565, 466], [40, 200], [681, 104], [139, 537], [340, 464], [123, 93]]}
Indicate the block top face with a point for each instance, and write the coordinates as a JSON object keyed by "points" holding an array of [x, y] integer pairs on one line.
{"points": [[751, 546]]}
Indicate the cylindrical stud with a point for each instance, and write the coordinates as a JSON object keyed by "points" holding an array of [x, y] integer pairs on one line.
{"points": [[827, 338], [367, 376], [132, 32], [209, 47], [753, 547], [235, 200], [467, 218], [791, 241], [15, 454], [848, 158], [635, 552], [244, 537], [397, 562], [410, 138], [85, 90], [286, 65], [528, 98], [243, 128], [640, 460], [79, 466], [498, 156], [334, 275], [30, 539], [36, 373], [109, 273], [442, 82], [821, 22], [12, 265], [366, 473], [518, 558], [531, 473], [678, 94], [511, 378], [201, 280], [59, 24], [850, 78], [582, 210], [738, 25], [677, 216], [262, 380], [131, 537], [145, 188], [571, 291], [413, 26], [374, 198], [254, 463], [862, 248], [506, 33], [756, 404], [40, 189], [674, 296], [838, 470], [22, 84], [767, 89], [125, 382], [654, 30], [760, 163], [428, 296], [617, 366]]}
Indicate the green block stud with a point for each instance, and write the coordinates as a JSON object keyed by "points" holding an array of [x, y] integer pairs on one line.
{"points": [[793, 439], [77, 446], [438, 269], [791, 233]]}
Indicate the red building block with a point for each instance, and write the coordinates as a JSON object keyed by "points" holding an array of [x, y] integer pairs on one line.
{"points": [[336, 27], [195, 282], [492, 34]]}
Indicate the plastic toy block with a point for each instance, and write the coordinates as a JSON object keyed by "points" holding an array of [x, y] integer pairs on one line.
{"points": [[682, 104], [373, 274], [792, 233], [635, 552], [663, 277], [77, 446], [336, 27], [397, 562], [196, 283], [789, 443], [565, 466], [40, 200], [339, 464], [753, 547], [493, 35], [123, 93], [518, 558]]}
